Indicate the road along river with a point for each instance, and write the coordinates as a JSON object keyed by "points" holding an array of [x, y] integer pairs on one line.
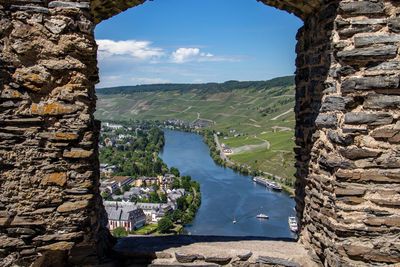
{"points": [[226, 195]]}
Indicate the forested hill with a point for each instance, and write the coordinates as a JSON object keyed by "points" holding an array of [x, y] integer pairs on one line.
{"points": [[204, 87]]}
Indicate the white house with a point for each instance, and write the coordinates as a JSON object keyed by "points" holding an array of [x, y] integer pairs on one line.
{"points": [[125, 215]]}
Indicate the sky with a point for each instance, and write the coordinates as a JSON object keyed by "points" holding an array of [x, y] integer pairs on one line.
{"points": [[196, 41]]}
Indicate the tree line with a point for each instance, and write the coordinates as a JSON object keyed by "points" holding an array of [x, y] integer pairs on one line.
{"points": [[203, 87]]}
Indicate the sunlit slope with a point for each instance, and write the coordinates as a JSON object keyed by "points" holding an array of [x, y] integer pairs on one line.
{"points": [[257, 111], [249, 110]]}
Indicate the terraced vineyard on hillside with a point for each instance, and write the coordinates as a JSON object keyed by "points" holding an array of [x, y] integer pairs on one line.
{"points": [[262, 111]]}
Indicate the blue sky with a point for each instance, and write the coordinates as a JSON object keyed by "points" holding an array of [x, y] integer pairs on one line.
{"points": [[196, 41]]}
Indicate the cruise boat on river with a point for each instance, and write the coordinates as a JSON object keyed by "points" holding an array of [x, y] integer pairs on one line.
{"points": [[269, 184]]}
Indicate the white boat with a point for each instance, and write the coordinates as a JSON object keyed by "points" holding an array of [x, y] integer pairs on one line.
{"points": [[262, 216], [293, 224], [234, 220]]}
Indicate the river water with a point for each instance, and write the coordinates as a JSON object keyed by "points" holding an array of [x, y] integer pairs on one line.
{"points": [[225, 194]]}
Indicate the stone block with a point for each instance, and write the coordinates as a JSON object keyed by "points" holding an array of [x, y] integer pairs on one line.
{"points": [[370, 83], [348, 32], [8, 242], [332, 161], [362, 8], [380, 101], [392, 65], [358, 153], [340, 139], [53, 109], [395, 139], [26, 221], [369, 53], [58, 237], [21, 231], [218, 260], [367, 40], [83, 5], [276, 261], [68, 63], [77, 153], [324, 120], [367, 21], [56, 25], [351, 200], [333, 103], [63, 245], [394, 24], [372, 119], [245, 257], [350, 190], [34, 78], [57, 178], [72, 206], [30, 9], [389, 160], [384, 132], [380, 221], [185, 258], [65, 136], [372, 175]]}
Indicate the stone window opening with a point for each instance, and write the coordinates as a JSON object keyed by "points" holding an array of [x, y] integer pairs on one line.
{"points": [[347, 131]]}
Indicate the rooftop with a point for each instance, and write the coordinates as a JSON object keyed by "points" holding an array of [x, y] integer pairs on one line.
{"points": [[119, 179]]}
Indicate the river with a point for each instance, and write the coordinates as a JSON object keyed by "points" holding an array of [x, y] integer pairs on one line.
{"points": [[225, 194]]}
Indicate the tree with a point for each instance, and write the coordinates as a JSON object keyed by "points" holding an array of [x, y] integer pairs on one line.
{"points": [[186, 185], [195, 185], [104, 195], [118, 192], [186, 219], [175, 184], [174, 171], [181, 202], [154, 198], [177, 215], [164, 225], [164, 198], [155, 186], [125, 188], [120, 232]]}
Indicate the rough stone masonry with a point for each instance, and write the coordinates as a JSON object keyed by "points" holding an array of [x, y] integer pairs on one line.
{"points": [[347, 130]]}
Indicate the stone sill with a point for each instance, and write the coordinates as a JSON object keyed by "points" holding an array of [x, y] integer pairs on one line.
{"points": [[210, 251]]}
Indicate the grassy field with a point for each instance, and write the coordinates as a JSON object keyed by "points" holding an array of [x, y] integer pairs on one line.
{"points": [[259, 114], [278, 159], [145, 229]]}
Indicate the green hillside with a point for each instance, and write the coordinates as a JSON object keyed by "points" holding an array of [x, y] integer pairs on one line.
{"points": [[255, 109]]}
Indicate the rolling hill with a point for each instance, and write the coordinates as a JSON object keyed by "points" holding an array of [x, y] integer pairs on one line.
{"points": [[261, 110]]}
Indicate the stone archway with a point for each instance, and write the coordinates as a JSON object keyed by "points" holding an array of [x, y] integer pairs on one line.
{"points": [[347, 129]]}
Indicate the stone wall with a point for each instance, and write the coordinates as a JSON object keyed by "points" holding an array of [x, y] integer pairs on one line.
{"points": [[347, 130], [49, 178]]}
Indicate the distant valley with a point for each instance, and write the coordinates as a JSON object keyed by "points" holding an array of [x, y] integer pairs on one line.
{"points": [[261, 111]]}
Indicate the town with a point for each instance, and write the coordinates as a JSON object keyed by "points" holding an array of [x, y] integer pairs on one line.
{"points": [[141, 195]]}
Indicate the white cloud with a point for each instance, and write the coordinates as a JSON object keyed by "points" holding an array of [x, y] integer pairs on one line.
{"points": [[141, 50], [182, 55], [149, 80]]}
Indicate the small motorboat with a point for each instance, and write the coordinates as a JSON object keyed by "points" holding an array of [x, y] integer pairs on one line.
{"points": [[262, 216], [234, 221]]}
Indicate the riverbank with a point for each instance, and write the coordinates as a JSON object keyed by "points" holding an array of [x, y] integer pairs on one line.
{"points": [[226, 194], [222, 159]]}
